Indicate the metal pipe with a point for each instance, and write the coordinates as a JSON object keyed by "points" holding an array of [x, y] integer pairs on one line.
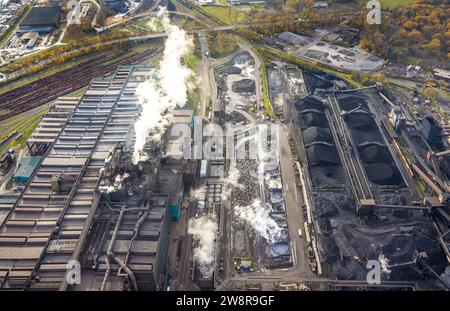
{"points": [[428, 181], [110, 248], [127, 271]]}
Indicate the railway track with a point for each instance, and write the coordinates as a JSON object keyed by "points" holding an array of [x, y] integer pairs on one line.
{"points": [[49, 88]]}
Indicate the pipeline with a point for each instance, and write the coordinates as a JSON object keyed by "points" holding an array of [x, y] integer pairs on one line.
{"points": [[429, 182], [109, 252], [127, 271]]}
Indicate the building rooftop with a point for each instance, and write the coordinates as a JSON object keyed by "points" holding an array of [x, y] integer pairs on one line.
{"points": [[39, 16]]}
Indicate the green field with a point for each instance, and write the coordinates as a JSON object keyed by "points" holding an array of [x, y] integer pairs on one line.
{"points": [[23, 123], [227, 14], [192, 61], [390, 4]]}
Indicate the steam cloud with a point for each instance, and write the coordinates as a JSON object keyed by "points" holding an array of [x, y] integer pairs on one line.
{"points": [[384, 263], [257, 216], [117, 185], [204, 231], [158, 97], [231, 181]]}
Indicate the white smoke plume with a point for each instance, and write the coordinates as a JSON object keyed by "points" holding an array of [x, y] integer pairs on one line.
{"points": [[203, 230], [198, 193], [117, 185], [257, 215], [231, 181], [158, 97], [384, 263]]}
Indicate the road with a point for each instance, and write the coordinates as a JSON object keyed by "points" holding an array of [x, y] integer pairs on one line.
{"points": [[293, 203], [148, 14], [257, 77], [205, 72]]}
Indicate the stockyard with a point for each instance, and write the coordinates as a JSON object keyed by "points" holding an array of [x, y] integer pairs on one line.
{"points": [[362, 199]]}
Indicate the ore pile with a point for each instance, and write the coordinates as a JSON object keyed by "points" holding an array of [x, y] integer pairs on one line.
{"points": [[242, 58], [275, 80], [376, 157], [278, 253], [230, 70], [314, 82], [276, 84], [244, 86], [396, 234], [317, 134], [246, 190], [236, 83]]}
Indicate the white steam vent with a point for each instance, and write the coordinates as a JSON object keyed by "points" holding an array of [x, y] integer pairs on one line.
{"points": [[117, 185], [203, 230], [257, 215], [231, 181], [158, 97], [384, 263]]}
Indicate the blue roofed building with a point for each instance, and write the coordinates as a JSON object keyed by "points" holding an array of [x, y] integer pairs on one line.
{"points": [[27, 165]]}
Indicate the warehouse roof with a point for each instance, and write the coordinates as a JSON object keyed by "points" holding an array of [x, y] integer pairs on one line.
{"points": [[39, 16]]}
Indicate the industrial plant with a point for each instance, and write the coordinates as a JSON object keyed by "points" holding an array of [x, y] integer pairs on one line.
{"points": [[171, 149]]}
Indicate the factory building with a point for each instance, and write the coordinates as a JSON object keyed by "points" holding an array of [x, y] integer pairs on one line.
{"points": [[40, 20], [431, 130], [177, 167], [86, 204]]}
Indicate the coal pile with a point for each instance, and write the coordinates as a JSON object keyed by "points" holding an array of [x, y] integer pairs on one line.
{"points": [[317, 134], [310, 112], [323, 155], [310, 103], [242, 58], [375, 155], [230, 70], [397, 242], [363, 137], [244, 86], [314, 81], [323, 158], [383, 173], [360, 120], [351, 103], [309, 119], [349, 244]]}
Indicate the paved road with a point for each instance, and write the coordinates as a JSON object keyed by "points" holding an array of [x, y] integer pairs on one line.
{"points": [[293, 202], [208, 87]]}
